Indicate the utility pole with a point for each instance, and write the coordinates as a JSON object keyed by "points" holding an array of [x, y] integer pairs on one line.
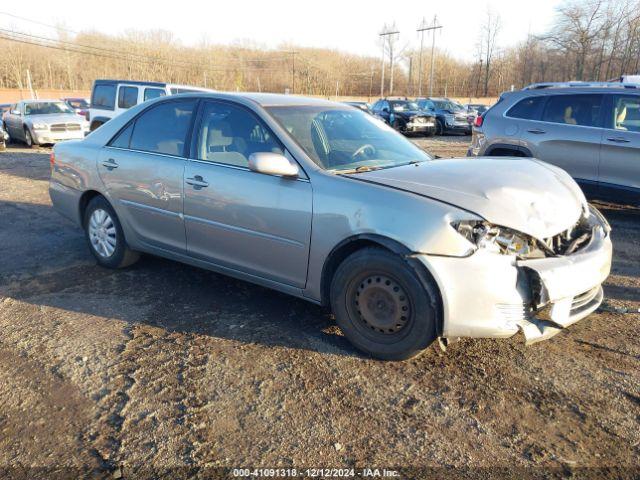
{"points": [[293, 71], [433, 29], [386, 31]]}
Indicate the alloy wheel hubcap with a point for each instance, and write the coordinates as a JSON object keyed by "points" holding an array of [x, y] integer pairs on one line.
{"points": [[382, 304], [102, 233]]}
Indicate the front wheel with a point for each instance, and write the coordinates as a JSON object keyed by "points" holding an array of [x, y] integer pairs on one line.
{"points": [[28, 139], [381, 305], [105, 236]]}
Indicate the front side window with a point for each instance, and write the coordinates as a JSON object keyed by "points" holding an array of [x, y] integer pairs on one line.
{"points": [[163, 128], [46, 108], [229, 134], [528, 108], [150, 93], [626, 113], [426, 105], [127, 97], [345, 140], [404, 106], [581, 110], [104, 97]]}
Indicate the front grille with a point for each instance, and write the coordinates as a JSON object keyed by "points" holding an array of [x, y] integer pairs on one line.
{"points": [[65, 127], [514, 312]]}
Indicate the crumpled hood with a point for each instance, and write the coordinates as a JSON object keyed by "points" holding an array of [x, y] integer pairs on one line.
{"points": [[527, 195]]}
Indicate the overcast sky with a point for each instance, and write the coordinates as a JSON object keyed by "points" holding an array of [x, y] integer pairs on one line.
{"points": [[347, 25]]}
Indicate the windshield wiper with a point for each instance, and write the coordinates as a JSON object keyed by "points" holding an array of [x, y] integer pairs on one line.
{"points": [[360, 169]]}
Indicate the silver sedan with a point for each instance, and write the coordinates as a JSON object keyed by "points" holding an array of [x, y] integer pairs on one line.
{"points": [[321, 201], [37, 122]]}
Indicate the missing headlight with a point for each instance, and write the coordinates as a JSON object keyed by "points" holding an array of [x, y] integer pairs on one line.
{"points": [[500, 239]]}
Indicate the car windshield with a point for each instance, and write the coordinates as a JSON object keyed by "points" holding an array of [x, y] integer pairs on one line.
{"points": [[447, 105], [78, 103], [400, 106], [46, 108], [346, 141]]}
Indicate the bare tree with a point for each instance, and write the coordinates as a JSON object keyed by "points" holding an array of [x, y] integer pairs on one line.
{"points": [[488, 35]]}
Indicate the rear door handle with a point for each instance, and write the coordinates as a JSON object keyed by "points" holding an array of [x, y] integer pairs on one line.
{"points": [[197, 182], [536, 131], [618, 140], [110, 164]]}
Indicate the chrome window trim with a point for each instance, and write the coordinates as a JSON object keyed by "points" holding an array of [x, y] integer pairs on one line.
{"points": [[235, 167], [146, 151]]}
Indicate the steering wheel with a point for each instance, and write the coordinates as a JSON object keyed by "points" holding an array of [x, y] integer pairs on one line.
{"points": [[367, 149]]}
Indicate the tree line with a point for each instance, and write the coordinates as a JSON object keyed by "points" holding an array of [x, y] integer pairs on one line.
{"points": [[588, 40]]}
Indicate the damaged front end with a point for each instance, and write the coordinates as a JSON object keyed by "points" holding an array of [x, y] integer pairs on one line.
{"points": [[511, 282], [566, 286]]}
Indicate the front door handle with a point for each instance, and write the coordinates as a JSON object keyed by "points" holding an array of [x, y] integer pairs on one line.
{"points": [[536, 131], [618, 139], [197, 182], [110, 164]]}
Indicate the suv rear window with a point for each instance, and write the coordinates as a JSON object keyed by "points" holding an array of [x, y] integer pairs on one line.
{"points": [[581, 110], [104, 97], [528, 108]]}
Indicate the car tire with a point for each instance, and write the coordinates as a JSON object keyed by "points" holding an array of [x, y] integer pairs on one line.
{"points": [[105, 236], [439, 128], [397, 126], [28, 139], [382, 306]]}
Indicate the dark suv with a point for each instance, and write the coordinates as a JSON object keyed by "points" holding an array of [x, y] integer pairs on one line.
{"points": [[405, 116], [592, 130], [451, 117]]}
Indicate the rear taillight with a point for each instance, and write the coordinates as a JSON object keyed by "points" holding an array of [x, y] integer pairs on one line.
{"points": [[52, 160], [478, 121]]}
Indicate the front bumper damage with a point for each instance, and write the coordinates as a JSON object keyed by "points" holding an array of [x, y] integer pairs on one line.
{"points": [[495, 296]]}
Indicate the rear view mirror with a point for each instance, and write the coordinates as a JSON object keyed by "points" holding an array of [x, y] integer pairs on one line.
{"points": [[272, 164]]}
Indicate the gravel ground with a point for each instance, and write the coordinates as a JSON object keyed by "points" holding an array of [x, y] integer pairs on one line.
{"points": [[167, 371]]}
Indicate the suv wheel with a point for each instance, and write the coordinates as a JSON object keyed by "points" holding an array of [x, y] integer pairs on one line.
{"points": [[105, 237], [381, 305], [439, 128]]}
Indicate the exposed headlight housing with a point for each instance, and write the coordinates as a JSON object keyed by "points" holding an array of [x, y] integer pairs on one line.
{"points": [[499, 239], [40, 126]]}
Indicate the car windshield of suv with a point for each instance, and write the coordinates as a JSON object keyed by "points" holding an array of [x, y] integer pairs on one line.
{"points": [[446, 105], [402, 106], [346, 141], [46, 108]]}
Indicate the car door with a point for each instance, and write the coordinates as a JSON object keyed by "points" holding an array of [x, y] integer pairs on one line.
{"points": [[568, 135], [619, 173], [142, 169], [251, 222], [14, 121]]}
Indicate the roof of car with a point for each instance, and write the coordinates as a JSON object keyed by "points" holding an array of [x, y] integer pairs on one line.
{"points": [[264, 99]]}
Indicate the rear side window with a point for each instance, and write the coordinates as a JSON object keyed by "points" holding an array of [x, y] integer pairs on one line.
{"points": [[127, 97], [123, 138], [581, 110], [104, 97], [626, 113], [150, 93], [163, 128], [527, 109]]}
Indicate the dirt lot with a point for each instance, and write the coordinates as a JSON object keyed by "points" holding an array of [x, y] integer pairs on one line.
{"points": [[167, 371]]}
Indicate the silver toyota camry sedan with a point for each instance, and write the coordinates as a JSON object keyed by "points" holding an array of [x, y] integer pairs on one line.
{"points": [[325, 202]]}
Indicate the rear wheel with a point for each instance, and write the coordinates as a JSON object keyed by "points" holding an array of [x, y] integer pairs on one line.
{"points": [[105, 236], [439, 128], [382, 306]]}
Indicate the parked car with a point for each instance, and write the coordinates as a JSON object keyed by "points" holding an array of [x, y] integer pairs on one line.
{"points": [[405, 116], [37, 122], [475, 109], [450, 116], [79, 105], [590, 130], [320, 201], [109, 98]]}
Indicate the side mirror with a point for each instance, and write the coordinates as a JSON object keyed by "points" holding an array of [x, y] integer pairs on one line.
{"points": [[272, 164], [385, 109]]}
